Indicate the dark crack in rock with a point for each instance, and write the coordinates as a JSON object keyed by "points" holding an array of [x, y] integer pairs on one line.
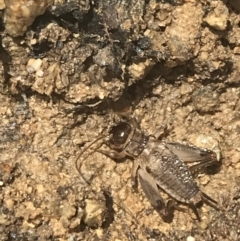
{"points": [[66, 66]]}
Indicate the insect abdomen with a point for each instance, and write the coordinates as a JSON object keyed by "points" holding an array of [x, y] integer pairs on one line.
{"points": [[172, 175]]}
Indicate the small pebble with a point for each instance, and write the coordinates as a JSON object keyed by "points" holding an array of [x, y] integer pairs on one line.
{"points": [[190, 238], [34, 65]]}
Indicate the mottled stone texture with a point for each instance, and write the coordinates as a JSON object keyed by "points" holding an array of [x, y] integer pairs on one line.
{"points": [[65, 66]]}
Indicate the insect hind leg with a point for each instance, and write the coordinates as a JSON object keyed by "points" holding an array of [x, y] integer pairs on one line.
{"points": [[151, 191], [200, 198], [194, 208]]}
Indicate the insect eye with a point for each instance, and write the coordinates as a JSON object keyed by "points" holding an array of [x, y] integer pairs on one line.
{"points": [[120, 133]]}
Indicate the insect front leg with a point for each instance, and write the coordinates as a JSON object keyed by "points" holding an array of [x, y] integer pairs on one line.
{"points": [[163, 130], [135, 168], [160, 132], [113, 154], [151, 191]]}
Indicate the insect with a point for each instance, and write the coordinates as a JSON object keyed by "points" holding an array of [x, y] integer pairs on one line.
{"points": [[159, 166]]}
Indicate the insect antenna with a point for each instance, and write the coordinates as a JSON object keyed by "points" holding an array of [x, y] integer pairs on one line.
{"points": [[80, 158]]}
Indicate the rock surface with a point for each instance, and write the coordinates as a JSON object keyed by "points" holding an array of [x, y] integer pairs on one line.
{"points": [[73, 65]]}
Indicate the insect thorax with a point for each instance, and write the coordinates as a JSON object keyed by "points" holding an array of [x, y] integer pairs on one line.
{"points": [[137, 143]]}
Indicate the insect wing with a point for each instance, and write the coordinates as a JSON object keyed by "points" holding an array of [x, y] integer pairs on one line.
{"points": [[191, 153]]}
